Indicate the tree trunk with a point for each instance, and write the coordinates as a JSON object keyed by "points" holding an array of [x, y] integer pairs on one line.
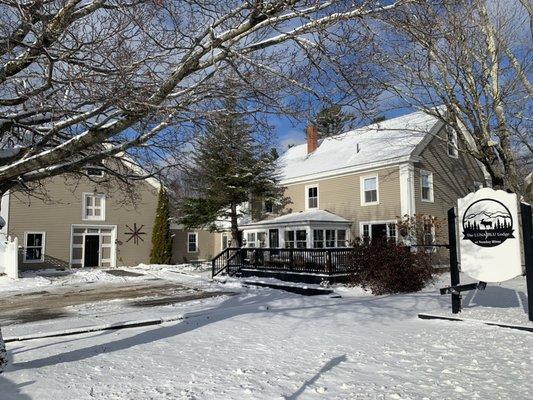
{"points": [[3, 352], [236, 239]]}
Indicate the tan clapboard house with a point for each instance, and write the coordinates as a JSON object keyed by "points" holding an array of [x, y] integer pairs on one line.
{"points": [[359, 183], [356, 185], [82, 222]]}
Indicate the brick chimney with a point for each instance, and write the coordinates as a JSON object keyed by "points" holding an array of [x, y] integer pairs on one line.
{"points": [[312, 138]]}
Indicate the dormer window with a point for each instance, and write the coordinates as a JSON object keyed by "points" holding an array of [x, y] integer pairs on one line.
{"points": [[451, 143]]}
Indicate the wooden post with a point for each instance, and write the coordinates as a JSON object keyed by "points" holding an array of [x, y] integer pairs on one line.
{"points": [[454, 265], [329, 266], [527, 233], [291, 258]]}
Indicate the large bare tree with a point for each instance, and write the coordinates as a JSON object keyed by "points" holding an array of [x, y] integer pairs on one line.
{"points": [[86, 80], [473, 57]]}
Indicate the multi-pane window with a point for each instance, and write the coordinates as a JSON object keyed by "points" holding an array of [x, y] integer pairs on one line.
{"points": [[341, 238], [225, 241], [318, 238], [192, 242], [426, 182], [366, 232], [34, 246], [250, 239], [261, 239], [312, 197], [268, 206], [93, 207], [370, 190], [452, 143], [301, 239], [429, 232], [330, 238], [289, 239]]}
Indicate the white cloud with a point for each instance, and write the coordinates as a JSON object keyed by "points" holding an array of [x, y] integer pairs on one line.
{"points": [[292, 137]]}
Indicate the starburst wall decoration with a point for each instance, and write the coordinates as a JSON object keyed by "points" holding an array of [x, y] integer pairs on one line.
{"points": [[135, 233]]}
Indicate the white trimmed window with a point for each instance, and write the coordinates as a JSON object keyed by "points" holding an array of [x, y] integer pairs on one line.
{"points": [[341, 238], [330, 237], [250, 239], [301, 239], [369, 190], [296, 239], [426, 183], [268, 206], [93, 207], [192, 242], [224, 241], [391, 232], [261, 239], [451, 143], [289, 239], [34, 246], [318, 238], [311, 197]]}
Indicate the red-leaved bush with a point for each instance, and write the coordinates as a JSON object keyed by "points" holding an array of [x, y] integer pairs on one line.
{"points": [[387, 268]]}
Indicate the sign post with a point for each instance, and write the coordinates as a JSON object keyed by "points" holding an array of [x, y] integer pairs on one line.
{"points": [[527, 233], [454, 265], [489, 242]]}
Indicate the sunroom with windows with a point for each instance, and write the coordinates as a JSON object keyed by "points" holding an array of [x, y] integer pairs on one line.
{"points": [[300, 230]]}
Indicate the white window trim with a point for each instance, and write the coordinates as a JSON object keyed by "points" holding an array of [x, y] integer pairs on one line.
{"points": [[102, 216], [43, 246], [381, 222], [307, 187], [362, 189], [431, 186], [195, 241], [112, 245], [455, 143], [222, 235]]}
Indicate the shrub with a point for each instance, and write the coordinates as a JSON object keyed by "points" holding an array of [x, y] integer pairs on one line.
{"points": [[387, 268]]}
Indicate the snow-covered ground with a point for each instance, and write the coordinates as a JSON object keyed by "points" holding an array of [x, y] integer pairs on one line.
{"points": [[269, 344]]}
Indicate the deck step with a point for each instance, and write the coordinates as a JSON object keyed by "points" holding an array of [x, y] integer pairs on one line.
{"points": [[303, 290]]}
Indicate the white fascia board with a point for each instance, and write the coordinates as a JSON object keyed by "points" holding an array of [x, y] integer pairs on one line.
{"points": [[433, 132], [292, 224], [350, 170]]}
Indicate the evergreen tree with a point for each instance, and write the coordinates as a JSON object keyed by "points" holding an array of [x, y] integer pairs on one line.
{"points": [[230, 167], [330, 121], [161, 252]]}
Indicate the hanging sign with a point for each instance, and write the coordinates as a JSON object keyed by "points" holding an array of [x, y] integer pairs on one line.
{"points": [[489, 235]]}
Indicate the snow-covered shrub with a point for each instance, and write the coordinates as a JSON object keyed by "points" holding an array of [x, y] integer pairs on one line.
{"points": [[387, 268]]}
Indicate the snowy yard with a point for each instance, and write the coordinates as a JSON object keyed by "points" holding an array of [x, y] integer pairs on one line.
{"points": [[267, 344]]}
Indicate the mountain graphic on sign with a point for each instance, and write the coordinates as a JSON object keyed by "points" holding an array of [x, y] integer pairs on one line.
{"points": [[488, 214]]}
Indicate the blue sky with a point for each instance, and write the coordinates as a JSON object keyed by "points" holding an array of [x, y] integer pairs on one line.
{"points": [[291, 132]]}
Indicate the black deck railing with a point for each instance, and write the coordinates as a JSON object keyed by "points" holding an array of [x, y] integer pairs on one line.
{"points": [[318, 261]]}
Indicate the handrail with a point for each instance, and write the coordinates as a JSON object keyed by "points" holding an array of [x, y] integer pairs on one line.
{"points": [[215, 260]]}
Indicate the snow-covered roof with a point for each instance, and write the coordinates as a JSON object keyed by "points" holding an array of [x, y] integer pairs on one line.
{"points": [[300, 217], [384, 142]]}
